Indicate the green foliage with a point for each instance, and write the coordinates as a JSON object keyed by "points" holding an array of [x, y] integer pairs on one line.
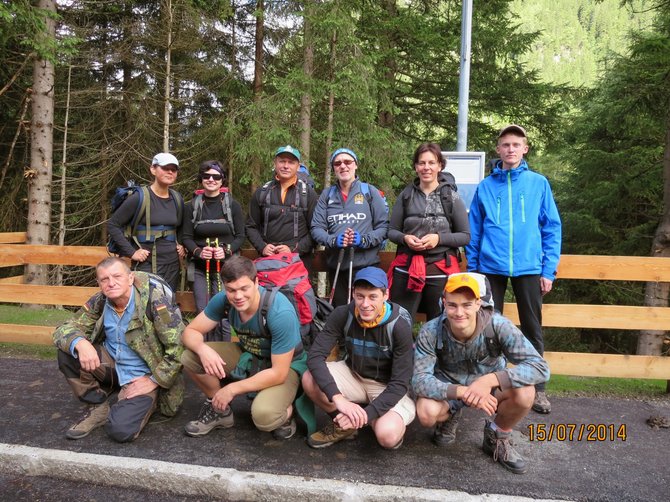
{"points": [[14, 314]]}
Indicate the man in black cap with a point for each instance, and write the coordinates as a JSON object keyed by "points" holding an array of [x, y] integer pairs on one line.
{"points": [[369, 386]]}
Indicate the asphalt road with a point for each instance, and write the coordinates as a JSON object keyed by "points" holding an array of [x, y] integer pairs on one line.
{"points": [[36, 407]]}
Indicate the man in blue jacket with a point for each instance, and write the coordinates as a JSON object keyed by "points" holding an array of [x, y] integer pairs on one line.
{"points": [[515, 233]]}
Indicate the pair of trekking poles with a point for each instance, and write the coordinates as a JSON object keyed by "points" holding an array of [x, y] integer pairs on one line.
{"points": [[340, 259], [218, 267]]}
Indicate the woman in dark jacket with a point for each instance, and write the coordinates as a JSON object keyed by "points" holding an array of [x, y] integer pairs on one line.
{"points": [[213, 230], [429, 223]]}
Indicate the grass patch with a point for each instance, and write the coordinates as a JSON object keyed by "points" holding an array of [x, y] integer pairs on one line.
{"points": [[563, 385], [15, 314], [28, 351]]}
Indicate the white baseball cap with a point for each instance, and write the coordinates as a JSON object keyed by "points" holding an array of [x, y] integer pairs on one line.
{"points": [[164, 159]]}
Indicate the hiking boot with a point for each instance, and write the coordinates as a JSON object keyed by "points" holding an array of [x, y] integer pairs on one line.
{"points": [[329, 435], [95, 417], [285, 430], [208, 420], [541, 404], [445, 432], [498, 444]]}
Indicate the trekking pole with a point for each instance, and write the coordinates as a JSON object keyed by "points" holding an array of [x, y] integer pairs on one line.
{"points": [[340, 257], [351, 270], [218, 268], [209, 289]]}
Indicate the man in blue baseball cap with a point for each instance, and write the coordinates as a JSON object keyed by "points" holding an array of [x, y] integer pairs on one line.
{"points": [[369, 385], [280, 211]]}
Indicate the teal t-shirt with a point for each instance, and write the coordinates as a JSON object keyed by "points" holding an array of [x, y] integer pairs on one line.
{"points": [[282, 324]]}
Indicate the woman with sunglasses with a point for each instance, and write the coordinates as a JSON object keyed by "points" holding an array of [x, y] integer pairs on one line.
{"points": [[429, 223], [351, 221], [213, 230]]}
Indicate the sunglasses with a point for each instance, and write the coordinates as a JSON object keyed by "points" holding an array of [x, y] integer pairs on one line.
{"points": [[169, 169], [207, 176], [347, 162]]}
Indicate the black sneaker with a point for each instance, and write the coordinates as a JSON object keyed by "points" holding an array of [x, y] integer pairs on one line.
{"points": [[445, 432], [285, 430], [208, 420], [498, 444]]}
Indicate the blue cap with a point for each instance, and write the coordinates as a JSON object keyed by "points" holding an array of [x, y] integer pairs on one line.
{"points": [[342, 150], [374, 275], [288, 149]]}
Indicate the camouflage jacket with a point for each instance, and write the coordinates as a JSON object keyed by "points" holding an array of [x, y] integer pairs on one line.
{"points": [[154, 333]]}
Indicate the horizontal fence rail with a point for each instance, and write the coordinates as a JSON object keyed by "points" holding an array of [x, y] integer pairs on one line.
{"points": [[573, 267]]}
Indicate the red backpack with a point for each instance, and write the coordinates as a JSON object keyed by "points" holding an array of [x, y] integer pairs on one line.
{"points": [[288, 273]]}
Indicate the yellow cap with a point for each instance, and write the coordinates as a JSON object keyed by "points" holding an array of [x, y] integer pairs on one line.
{"points": [[463, 280]]}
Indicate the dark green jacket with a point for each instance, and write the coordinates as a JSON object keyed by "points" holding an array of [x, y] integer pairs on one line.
{"points": [[154, 333]]}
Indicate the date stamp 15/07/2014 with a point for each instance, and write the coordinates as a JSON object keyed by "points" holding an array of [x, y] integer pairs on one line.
{"points": [[577, 432]]}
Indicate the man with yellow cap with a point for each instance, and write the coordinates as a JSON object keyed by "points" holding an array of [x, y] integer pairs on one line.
{"points": [[461, 360]]}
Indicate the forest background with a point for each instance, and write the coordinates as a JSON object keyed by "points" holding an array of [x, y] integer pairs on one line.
{"points": [[91, 90]]}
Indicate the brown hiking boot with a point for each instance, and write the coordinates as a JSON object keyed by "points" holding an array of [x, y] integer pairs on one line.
{"points": [[95, 416], [498, 444], [329, 435], [541, 404]]}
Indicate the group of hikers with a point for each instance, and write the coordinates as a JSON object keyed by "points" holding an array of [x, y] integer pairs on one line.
{"points": [[124, 351]]}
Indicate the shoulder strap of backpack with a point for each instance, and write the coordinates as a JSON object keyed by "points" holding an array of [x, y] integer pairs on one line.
{"points": [[225, 204], [143, 207], [493, 345], [179, 203], [197, 203], [267, 299], [448, 204]]}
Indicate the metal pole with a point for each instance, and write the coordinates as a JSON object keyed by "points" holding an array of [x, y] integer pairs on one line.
{"points": [[464, 80]]}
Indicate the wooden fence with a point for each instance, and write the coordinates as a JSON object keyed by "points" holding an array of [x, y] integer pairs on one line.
{"points": [[573, 267]]}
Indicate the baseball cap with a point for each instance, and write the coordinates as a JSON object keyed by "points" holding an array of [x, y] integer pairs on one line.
{"points": [[373, 275], [288, 149], [164, 159], [343, 150], [514, 129], [464, 280]]}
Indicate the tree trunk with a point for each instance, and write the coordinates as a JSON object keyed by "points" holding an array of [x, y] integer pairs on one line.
{"points": [[168, 62], [385, 115], [657, 293], [41, 152], [331, 108], [308, 70], [63, 177], [258, 85]]}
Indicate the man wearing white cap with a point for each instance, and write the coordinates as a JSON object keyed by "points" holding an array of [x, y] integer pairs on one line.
{"points": [[460, 359], [154, 214], [515, 236], [280, 211]]}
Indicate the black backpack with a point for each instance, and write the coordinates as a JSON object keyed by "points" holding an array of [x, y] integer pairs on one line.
{"points": [[198, 202], [143, 205], [447, 196], [300, 205]]}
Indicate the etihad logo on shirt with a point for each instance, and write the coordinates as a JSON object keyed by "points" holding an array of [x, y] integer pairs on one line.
{"points": [[346, 217]]}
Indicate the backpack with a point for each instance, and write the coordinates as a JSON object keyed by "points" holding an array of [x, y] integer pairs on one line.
{"points": [[198, 202], [156, 282], [300, 205], [304, 174], [493, 344], [389, 326], [142, 233], [287, 273], [446, 196]]}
